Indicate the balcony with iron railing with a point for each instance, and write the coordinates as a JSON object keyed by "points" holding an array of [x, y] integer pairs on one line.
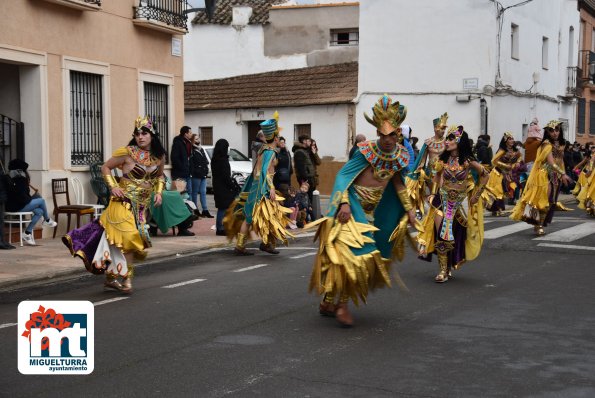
{"points": [[84, 5], [573, 81], [164, 15], [587, 66]]}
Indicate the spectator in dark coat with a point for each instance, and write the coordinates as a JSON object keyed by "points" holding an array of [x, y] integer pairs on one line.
{"points": [[181, 151], [304, 169], [284, 169], [358, 138], [224, 188], [484, 150], [20, 199]]}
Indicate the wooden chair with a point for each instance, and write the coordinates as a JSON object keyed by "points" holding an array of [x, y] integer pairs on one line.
{"points": [[60, 188]]}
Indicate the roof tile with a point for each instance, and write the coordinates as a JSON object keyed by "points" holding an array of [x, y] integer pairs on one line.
{"points": [[329, 84], [223, 12]]}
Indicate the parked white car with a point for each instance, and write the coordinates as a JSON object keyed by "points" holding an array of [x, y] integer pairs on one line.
{"points": [[238, 162]]}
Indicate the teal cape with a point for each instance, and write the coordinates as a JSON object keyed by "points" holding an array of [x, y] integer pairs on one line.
{"points": [[415, 175], [387, 215], [256, 189]]}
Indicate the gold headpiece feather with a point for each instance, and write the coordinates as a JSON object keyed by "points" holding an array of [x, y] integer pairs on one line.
{"points": [[387, 116], [145, 122]]}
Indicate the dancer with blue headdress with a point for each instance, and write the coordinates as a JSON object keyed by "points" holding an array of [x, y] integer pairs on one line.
{"points": [[258, 207], [366, 224]]}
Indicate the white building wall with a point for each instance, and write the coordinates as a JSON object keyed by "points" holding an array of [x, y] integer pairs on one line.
{"points": [[219, 51], [329, 126], [458, 40]]}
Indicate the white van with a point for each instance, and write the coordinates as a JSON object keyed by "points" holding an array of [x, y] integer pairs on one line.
{"points": [[238, 162]]}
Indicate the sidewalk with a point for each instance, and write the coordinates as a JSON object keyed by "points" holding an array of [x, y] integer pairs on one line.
{"points": [[50, 260]]}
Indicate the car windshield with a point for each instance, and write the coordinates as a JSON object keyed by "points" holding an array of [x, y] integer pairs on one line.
{"points": [[237, 156]]}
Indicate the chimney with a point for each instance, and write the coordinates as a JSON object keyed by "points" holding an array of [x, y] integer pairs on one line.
{"points": [[240, 16]]}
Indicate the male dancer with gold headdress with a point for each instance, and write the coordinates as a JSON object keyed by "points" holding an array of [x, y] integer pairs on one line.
{"points": [[257, 207], [366, 224], [421, 174], [122, 233]]}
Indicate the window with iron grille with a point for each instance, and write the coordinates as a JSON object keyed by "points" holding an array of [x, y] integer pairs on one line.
{"points": [[301, 129], [591, 117], [86, 118], [580, 117], [345, 37], [157, 108], [206, 135]]}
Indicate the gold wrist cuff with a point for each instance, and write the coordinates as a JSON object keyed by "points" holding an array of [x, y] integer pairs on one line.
{"points": [[405, 199], [434, 189], [110, 180], [159, 185]]}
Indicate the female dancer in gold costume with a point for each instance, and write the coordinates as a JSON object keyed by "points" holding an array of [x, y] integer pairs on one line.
{"points": [[585, 187], [122, 232], [454, 236], [539, 198], [503, 181]]}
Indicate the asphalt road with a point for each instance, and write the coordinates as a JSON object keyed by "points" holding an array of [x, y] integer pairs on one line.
{"points": [[518, 321]]}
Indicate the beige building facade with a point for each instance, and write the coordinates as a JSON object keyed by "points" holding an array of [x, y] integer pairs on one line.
{"points": [[585, 130], [74, 75]]}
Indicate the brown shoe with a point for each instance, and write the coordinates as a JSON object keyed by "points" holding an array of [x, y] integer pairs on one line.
{"points": [[112, 284], [343, 315], [242, 252], [268, 249], [327, 309], [126, 286]]}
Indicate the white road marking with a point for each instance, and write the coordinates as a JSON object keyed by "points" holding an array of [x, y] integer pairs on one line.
{"points": [[576, 247], [506, 230], [110, 301], [183, 283], [294, 248], [570, 234], [251, 267], [7, 325], [304, 255], [305, 235]]}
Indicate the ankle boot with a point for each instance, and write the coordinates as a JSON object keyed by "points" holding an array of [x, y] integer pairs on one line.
{"points": [[343, 315], [240, 249], [443, 274], [268, 248], [111, 283]]}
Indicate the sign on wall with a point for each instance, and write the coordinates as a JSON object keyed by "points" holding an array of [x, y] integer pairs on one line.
{"points": [[471, 83], [176, 47]]}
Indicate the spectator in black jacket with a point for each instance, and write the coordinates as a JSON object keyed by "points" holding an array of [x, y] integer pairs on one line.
{"points": [[484, 150], [224, 188], [20, 199], [199, 169], [181, 151], [284, 169]]}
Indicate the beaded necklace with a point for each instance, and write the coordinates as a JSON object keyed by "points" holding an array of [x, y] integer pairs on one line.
{"points": [[141, 156]]}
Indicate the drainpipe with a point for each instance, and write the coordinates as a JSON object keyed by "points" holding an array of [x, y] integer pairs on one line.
{"points": [[483, 116]]}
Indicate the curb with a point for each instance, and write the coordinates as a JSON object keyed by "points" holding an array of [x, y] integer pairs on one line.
{"points": [[76, 273]]}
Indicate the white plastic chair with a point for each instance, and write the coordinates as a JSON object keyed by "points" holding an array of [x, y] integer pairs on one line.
{"points": [[17, 217], [79, 196]]}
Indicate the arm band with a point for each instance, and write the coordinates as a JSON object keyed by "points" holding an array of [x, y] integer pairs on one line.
{"points": [[405, 199], [159, 185], [110, 180]]}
